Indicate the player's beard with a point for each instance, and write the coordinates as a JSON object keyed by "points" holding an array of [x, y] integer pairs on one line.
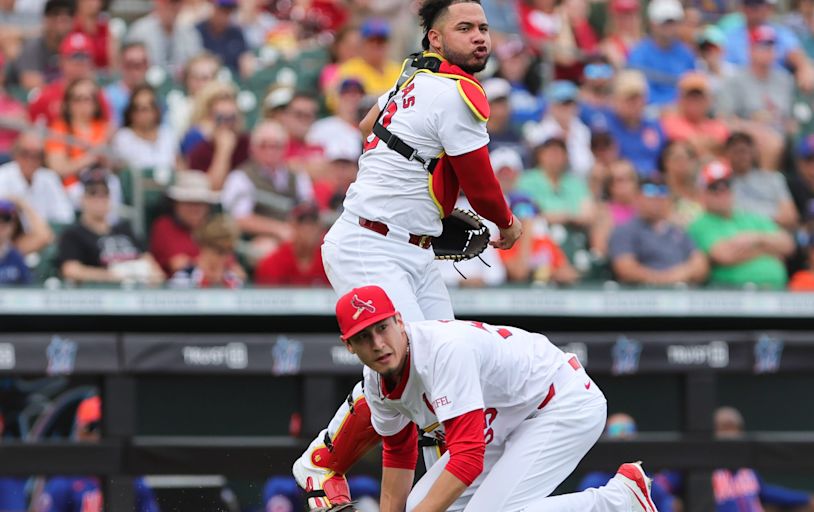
{"points": [[465, 61]]}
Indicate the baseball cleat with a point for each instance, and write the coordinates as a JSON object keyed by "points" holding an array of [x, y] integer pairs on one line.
{"points": [[323, 488], [632, 476]]}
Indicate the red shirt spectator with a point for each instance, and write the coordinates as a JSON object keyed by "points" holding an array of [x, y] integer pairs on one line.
{"points": [[298, 262], [101, 42]]}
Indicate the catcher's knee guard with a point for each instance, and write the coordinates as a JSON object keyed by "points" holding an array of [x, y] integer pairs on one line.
{"points": [[321, 468]]}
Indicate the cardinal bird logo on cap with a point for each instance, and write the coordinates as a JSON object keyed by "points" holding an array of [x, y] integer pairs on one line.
{"points": [[361, 305]]}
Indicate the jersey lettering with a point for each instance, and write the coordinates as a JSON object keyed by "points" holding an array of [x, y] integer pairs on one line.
{"points": [[408, 102], [489, 416], [502, 332], [386, 120]]}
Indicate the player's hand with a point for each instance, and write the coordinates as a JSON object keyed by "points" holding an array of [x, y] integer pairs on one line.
{"points": [[508, 236]]}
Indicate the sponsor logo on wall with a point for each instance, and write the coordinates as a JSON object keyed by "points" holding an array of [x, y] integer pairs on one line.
{"points": [[626, 353], [340, 356], [61, 355], [768, 354], [286, 355], [714, 354], [234, 356]]}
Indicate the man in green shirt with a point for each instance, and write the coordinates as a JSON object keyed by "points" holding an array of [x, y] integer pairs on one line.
{"points": [[742, 247]]}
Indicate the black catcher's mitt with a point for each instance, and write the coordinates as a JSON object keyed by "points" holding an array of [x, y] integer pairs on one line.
{"points": [[464, 237]]}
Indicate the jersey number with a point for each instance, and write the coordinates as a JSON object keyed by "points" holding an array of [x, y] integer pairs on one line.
{"points": [[392, 107], [489, 416]]}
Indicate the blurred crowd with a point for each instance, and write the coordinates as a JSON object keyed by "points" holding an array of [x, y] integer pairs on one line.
{"points": [[209, 143]]}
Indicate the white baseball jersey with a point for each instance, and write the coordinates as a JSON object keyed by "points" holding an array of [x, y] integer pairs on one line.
{"points": [[459, 366], [431, 116]]}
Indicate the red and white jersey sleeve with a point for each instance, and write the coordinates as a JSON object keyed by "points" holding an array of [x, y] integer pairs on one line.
{"points": [[452, 378], [430, 115]]}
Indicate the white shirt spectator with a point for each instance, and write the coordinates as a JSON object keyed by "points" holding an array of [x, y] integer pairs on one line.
{"points": [[239, 195], [578, 141], [166, 50], [45, 193], [333, 131], [139, 153]]}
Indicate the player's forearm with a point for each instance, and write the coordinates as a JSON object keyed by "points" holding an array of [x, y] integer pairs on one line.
{"points": [[443, 494], [478, 181], [396, 485]]}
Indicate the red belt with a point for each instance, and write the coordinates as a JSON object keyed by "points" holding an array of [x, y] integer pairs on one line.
{"points": [[574, 362], [423, 241]]}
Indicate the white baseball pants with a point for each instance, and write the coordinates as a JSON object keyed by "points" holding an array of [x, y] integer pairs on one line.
{"points": [[355, 256], [537, 456]]}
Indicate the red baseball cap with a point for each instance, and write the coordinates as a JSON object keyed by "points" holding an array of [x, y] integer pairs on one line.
{"points": [[714, 172], [624, 6], [89, 411], [763, 34], [362, 307], [76, 44]]}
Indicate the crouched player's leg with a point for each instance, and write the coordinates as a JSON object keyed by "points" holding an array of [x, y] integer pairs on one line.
{"points": [[321, 469]]}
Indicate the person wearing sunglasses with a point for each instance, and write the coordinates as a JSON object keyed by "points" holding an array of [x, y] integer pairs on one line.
{"points": [[650, 249], [13, 270], [743, 248]]}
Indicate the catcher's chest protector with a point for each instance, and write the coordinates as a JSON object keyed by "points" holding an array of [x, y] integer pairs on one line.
{"points": [[443, 184]]}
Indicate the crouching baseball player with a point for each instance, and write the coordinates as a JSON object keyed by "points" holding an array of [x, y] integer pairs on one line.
{"points": [[515, 413]]}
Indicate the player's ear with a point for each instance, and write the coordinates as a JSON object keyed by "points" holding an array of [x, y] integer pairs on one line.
{"points": [[348, 346], [434, 37]]}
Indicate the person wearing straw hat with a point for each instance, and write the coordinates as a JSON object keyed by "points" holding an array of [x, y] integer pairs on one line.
{"points": [[172, 243]]}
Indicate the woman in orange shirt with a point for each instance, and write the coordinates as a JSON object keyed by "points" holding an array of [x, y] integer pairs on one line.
{"points": [[82, 119]]}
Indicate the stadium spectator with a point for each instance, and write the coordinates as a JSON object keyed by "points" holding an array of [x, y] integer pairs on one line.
{"points": [[341, 169], [143, 141], [640, 139], [743, 248], [800, 20], [758, 98], [690, 26], [10, 109], [540, 22], [255, 21], [15, 25], [622, 427], [650, 249], [172, 243], [561, 120], [69, 494], [223, 145], [26, 177], [622, 191], [81, 132], [710, 46], [515, 64], [91, 21], [260, 194], [372, 66], [595, 94], [169, 44], [757, 13], [345, 45], [215, 266], [502, 134], [679, 166], [803, 280], [802, 182], [197, 74], [31, 232], [576, 40], [134, 65], [623, 31], [38, 62], [606, 152], [662, 57], [502, 15], [690, 121], [297, 262], [759, 191], [297, 118], [562, 196], [75, 63], [94, 250], [221, 36], [743, 488], [342, 128], [13, 270]]}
